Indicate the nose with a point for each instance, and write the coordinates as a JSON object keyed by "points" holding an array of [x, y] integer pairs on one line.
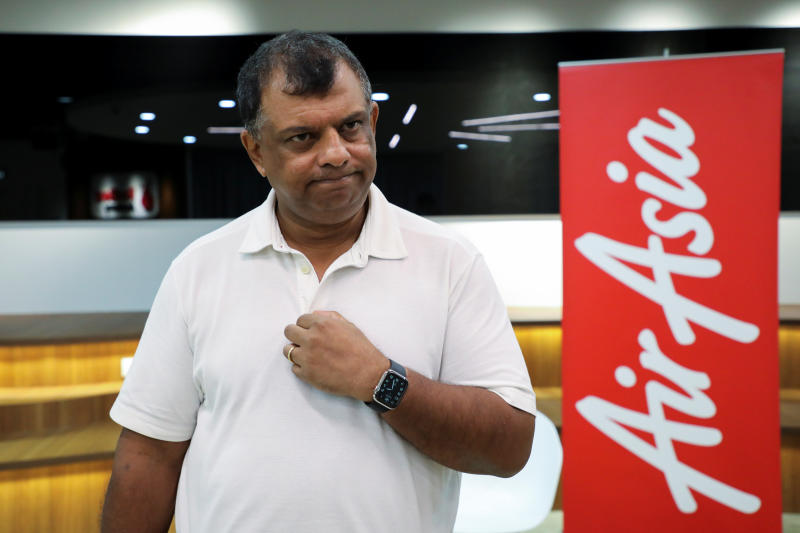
{"points": [[333, 150]]}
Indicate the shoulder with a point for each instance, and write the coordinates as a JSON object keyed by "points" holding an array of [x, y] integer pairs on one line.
{"points": [[218, 244], [417, 229]]}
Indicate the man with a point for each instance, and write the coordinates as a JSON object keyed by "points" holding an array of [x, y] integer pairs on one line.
{"points": [[346, 286]]}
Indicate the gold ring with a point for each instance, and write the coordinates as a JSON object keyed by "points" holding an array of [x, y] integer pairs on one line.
{"points": [[289, 354]]}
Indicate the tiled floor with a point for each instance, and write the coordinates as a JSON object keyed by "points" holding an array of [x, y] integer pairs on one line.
{"points": [[554, 523]]}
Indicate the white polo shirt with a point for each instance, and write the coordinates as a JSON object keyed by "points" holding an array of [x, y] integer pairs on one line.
{"points": [[271, 453]]}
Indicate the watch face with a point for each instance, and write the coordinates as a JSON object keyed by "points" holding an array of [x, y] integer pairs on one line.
{"points": [[391, 390]]}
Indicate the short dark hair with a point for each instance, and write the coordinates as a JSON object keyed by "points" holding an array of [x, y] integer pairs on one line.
{"points": [[309, 61]]}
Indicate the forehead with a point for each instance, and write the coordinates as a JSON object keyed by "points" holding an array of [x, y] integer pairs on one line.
{"points": [[283, 109]]}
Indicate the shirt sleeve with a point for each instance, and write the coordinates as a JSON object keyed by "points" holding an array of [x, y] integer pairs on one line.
{"points": [[159, 397], [480, 347]]}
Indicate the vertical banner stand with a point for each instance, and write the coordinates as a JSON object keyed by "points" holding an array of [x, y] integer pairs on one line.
{"points": [[670, 184]]}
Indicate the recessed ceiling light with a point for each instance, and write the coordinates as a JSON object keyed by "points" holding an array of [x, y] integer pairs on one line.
{"points": [[394, 141], [64, 99], [189, 139], [410, 113], [147, 116], [542, 97], [142, 130], [380, 97], [226, 104], [462, 146]]}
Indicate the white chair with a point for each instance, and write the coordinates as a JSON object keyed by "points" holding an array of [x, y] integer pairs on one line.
{"points": [[489, 504]]}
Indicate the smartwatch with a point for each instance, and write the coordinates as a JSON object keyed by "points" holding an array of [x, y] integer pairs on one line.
{"points": [[390, 389]]}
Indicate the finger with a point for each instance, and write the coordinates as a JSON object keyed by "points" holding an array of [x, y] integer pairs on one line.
{"points": [[296, 334], [306, 320], [293, 348]]}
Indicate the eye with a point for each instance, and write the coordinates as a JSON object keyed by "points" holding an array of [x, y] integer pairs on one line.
{"points": [[300, 137], [352, 125]]}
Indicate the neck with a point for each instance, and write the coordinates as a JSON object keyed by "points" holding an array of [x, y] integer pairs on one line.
{"points": [[321, 243]]}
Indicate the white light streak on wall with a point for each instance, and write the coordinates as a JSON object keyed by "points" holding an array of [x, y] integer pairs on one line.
{"points": [[410, 113], [521, 127], [511, 118], [479, 136]]}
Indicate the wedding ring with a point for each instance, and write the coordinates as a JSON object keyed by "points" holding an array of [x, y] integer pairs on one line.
{"points": [[289, 353]]}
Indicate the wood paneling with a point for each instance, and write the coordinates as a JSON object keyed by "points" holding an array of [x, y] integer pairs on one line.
{"points": [[65, 498], [71, 424], [789, 355], [541, 347], [83, 364], [97, 440], [63, 363], [56, 393], [790, 470]]}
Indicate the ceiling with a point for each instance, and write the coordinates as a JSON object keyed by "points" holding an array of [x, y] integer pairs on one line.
{"points": [[242, 17], [455, 59]]}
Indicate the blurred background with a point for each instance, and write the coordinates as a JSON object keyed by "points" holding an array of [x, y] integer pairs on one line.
{"points": [[119, 145], [96, 95]]}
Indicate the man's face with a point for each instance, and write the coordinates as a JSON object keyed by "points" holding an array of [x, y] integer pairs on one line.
{"points": [[318, 152]]}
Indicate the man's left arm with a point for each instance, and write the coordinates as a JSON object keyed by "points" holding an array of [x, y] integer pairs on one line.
{"points": [[470, 429]]}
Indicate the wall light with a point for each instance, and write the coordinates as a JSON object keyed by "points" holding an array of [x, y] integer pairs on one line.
{"points": [[522, 127], [510, 118], [410, 114], [478, 136], [224, 130]]}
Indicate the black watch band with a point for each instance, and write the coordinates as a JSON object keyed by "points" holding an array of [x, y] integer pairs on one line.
{"points": [[390, 389]]}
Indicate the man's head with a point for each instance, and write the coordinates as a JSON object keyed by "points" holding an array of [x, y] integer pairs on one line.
{"points": [[310, 127], [307, 60]]}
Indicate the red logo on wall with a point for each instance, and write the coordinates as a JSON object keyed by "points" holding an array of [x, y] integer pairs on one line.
{"points": [[670, 198]]}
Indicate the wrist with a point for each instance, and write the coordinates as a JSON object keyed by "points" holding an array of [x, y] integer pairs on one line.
{"points": [[372, 377]]}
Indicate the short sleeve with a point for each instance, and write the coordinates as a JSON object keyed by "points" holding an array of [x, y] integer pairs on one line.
{"points": [[480, 346], [159, 398]]}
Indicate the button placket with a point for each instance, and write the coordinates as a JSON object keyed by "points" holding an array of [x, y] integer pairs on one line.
{"points": [[307, 283]]}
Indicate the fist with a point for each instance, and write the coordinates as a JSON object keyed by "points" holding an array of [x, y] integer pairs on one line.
{"points": [[333, 355]]}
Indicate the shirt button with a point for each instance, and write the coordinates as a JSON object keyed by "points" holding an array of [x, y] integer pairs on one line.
{"points": [[305, 269]]}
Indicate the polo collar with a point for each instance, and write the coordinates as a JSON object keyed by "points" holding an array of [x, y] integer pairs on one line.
{"points": [[380, 236]]}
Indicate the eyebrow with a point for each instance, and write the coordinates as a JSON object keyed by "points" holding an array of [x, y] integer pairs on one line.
{"points": [[357, 115]]}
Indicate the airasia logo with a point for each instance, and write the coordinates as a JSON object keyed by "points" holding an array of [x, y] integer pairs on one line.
{"points": [[679, 311]]}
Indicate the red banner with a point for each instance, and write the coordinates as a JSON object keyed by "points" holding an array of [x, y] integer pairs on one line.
{"points": [[670, 180]]}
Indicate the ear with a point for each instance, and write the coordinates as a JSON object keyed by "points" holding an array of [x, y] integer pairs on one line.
{"points": [[253, 149], [373, 116]]}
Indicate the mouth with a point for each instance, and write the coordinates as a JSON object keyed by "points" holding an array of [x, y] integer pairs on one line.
{"points": [[336, 179]]}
